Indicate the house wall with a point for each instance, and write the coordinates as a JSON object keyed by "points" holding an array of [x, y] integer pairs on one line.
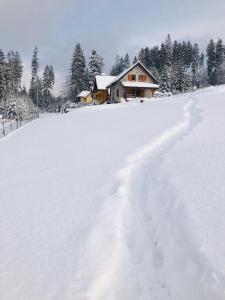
{"points": [[87, 99], [138, 71], [101, 96], [113, 92]]}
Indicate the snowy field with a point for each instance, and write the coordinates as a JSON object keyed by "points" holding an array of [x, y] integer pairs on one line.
{"points": [[116, 202]]}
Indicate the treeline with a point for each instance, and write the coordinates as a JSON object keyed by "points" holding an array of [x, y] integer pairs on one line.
{"points": [[82, 72], [15, 101], [180, 66], [41, 86], [11, 71]]}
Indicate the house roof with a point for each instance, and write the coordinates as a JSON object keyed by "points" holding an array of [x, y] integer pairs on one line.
{"points": [[129, 69], [136, 84], [103, 81], [84, 94]]}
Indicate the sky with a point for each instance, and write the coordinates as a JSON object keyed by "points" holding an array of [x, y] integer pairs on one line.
{"points": [[109, 26]]}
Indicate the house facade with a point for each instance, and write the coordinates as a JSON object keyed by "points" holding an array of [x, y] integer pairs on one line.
{"points": [[135, 82]]}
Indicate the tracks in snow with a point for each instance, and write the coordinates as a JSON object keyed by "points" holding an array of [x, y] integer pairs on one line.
{"points": [[139, 250]]}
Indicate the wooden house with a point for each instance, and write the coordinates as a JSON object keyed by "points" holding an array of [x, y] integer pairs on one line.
{"points": [[100, 89], [134, 82]]}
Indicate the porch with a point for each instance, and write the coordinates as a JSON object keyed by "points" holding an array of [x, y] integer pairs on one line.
{"points": [[135, 93]]}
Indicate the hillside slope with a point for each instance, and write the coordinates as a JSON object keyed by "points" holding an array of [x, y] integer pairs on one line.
{"points": [[116, 202]]}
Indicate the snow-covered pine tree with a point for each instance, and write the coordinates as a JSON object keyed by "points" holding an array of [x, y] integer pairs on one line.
{"points": [[202, 60], [187, 54], [2, 76], [195, 66], [77, 81], [155, 59], [9, 74], [47, 85], [211, 62], [166, 65], [181, 80], [34, 92], [148, 59], [52, 75], [88, 82], [220, 60], [168, 51], [126, 61], [23, 91], [141, 56], [165, 81], [17, 72], [118, 66], [95, 65], [163, 57], [135, 60]]}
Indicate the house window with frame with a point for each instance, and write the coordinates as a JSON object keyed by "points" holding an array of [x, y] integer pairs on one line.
{"points": [[132, 77], [142, 78], [117, 93]]}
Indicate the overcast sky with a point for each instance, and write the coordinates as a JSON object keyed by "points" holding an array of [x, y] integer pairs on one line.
{"points": [[109, 26]]}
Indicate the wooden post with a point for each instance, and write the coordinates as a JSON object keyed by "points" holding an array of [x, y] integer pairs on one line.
{"points": [[3, 130]]}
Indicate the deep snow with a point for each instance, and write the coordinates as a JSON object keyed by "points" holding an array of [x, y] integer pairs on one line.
{"points": [[116, 202]]}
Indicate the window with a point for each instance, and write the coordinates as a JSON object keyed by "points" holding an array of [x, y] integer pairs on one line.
{"points": [[142, 78], [132, 77], [117, 93]]}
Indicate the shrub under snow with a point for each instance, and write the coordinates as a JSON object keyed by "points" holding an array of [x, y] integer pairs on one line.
{"points": [[19, 107]]}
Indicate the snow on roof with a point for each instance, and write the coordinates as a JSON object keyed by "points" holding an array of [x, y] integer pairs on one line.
{"points": [[103, 81], [84, 94], [136, 84], [129, 69]]}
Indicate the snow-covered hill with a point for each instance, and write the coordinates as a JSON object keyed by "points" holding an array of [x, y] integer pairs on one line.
{"points": [[116, 202]]}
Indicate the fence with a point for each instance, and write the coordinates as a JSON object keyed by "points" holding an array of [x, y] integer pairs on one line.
{"points": [[7, 126]]}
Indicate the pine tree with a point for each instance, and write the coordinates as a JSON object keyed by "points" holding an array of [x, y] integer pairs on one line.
{"points": [[52, 76], [95, 65], [202, 60], [47, 85], [2, 76], [88, 81], [34, 91], [168, 51], [181, 80], [165, 65], [77, 81], [187, 54], [165, 81], [135, 60], [220, 59], [23, 90], [9, 74], [126, 61], [195, 66], [17, 71], [211, 62], [118, 66]]}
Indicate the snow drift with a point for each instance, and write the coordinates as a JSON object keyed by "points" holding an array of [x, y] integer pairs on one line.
{"points": [[118, 201]]}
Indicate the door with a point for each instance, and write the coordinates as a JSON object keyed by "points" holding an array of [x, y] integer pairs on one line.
{"points": [[140, 93]]}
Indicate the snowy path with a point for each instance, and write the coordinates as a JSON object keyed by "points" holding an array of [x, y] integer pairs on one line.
{"points": [[147, 249], [85, 215]]}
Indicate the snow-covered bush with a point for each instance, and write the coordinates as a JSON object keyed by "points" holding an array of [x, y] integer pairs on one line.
{"points": [[159, 94], [19, 108]]}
